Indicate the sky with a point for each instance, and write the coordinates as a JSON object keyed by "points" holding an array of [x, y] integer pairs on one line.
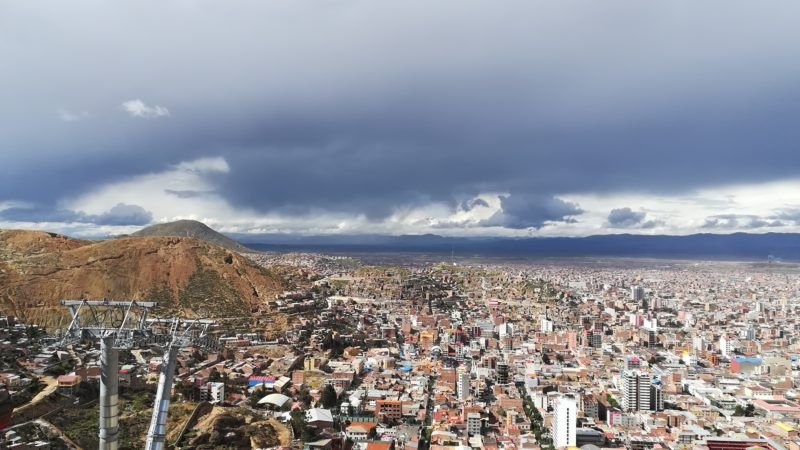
{"points": [[457, 118]]}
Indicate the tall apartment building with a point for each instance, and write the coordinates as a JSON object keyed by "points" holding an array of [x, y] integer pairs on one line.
{"points": [[463, 388], [502, 373], [565, 413], [639, 393], [635, 391], [637, 293], [593, 338], [474, 423]]}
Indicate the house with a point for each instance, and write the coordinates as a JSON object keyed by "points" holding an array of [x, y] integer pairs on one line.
{"points": [[319, 418], [68, 383], [360, 431]]}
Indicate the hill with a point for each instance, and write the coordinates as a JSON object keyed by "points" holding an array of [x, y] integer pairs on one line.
{"points": [[192, 229], [185, 275]]}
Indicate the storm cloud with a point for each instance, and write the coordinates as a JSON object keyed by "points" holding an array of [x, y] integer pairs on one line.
{"points": [[119, 215], [368, 108]]}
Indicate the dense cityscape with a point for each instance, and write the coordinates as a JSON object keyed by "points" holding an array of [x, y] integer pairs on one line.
{"points": [[586, 354], [399, 225]]}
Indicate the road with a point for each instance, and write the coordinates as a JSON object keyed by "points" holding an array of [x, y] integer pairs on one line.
{"points": [[54, 429], [51, 384]]}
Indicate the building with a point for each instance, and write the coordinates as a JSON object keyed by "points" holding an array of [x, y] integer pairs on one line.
{"points": [[593, 338], [463, 385], [389, 410], [360, 431], [474, 423], [656, 397], [726, 346], [502, 373], [637, 293], [319, 418], [636, 391], [216, 392], [565, 413], [67, 384]]}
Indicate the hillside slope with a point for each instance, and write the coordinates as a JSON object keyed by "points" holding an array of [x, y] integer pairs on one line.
{"points": [[192, 229], [185, 275]]}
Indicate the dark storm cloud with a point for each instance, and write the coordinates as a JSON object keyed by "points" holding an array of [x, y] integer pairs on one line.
{"points": [[625, 217], [469, 205], [121, 214], [386, 105], [531, 211], [628, 218]]}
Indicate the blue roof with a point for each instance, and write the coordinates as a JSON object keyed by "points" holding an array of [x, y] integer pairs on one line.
{"points": [[747, 360]]}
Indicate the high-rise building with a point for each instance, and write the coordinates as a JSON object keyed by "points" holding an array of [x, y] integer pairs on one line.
{"points": [[656, 397], [474, 423], [565, 413], [463, 388], [593, 338], [502, 373], [635, 391], [637, 293]]}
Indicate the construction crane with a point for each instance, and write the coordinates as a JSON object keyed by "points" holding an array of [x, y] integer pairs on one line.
{"points": [[123, 325]]}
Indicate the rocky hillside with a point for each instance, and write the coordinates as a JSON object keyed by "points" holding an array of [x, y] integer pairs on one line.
{"points": [[193, 229], [185, 275]]}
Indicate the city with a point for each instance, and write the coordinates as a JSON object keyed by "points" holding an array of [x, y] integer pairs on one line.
{"points": [[399, 225], [618, 354]]}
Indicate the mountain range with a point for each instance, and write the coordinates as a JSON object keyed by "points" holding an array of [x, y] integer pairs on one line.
{"points": [[696, 246]]}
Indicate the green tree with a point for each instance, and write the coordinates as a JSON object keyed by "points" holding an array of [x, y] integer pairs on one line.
{"points": [[328, 397]]}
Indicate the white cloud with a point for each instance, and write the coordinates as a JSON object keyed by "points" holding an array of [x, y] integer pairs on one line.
{"points": [[138, 108], [72, 116]]}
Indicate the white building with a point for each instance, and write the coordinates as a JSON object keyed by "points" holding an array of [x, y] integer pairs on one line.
{"points": [[216, 392], [463, 385], [546, 325], [474, 424], [635, 390], [565, 413], [726, 346]]}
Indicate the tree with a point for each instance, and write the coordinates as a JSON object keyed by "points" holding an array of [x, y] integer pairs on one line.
{"points": [[328, 397], [214, 375]]}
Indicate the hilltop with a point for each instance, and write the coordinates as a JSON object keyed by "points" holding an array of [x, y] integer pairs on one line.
{"points": [[185, 275], [192, 229]]}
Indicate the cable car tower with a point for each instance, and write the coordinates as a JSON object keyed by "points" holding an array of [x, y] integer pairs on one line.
{"points": [[124, 325]]}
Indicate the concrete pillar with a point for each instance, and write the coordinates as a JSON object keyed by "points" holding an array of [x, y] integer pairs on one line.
{"points": [[157, 434], [109, 394]]}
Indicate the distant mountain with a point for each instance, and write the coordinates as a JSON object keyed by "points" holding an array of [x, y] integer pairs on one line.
{"points": [[186, 276], [193, 229], [712, 246]]}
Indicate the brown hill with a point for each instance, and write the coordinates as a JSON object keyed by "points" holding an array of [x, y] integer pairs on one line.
{"points": [[185, 275], [194, 229]]}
